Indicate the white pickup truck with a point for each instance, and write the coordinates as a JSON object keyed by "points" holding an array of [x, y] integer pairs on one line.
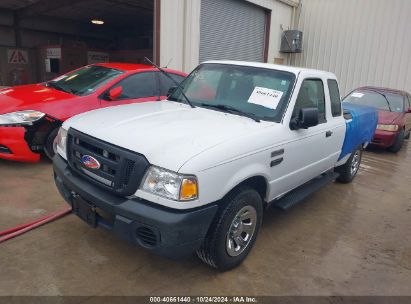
{"points": [[194, 173]]}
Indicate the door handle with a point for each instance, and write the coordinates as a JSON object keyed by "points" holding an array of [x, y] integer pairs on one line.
{"points": [[328, 133]]}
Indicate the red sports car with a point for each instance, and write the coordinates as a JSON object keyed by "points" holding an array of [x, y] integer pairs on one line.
{"points": [[31, 115], [394, 114]]}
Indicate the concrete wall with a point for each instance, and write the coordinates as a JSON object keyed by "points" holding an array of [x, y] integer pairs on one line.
{"points": [[180, 30], [180, 33], [363, 42]]}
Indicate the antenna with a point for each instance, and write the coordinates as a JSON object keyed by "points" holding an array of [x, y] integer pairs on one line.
{"points": [[168, 63]]}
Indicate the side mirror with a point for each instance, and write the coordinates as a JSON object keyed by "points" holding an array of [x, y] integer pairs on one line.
{"points": [[409, 110], [307, 117], [171, 90], [115, 93]]}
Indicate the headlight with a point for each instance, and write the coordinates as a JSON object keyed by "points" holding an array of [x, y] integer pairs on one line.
{"points": [[170, 184], [390, 128], [61, 140], [21, 117]]}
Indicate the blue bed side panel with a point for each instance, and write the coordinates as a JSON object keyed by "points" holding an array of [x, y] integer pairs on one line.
{"points": [[360, 129]]}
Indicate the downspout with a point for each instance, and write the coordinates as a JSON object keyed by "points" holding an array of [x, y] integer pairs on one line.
{"points": [[183, 61], [295, 22]]}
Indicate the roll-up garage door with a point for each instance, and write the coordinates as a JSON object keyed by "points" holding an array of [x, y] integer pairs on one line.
{"points": [[232, 30]]}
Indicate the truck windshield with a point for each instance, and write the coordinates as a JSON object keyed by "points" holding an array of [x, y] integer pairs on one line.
{"points": [[256, 92], [84, 81], [382, 101]]}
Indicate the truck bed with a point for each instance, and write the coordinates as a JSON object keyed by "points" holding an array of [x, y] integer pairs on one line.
{"points": [[361, 123]]}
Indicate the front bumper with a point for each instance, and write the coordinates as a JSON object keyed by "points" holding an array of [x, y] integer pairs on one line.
{"points": [[384, 139], [13, 145], [177, 233]]}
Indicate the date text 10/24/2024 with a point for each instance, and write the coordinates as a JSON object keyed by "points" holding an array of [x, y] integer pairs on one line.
{"points": [[204, 299]]}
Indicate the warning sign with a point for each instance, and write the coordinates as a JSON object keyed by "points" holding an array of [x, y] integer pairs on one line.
{"points": [[17, 56]]}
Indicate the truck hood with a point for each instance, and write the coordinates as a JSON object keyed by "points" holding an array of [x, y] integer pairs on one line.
{"points": [[386, 117], [167, 133], [29, 97]]}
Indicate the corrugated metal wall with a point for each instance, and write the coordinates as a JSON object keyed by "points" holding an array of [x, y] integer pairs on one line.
{"points": [[364, 42]]}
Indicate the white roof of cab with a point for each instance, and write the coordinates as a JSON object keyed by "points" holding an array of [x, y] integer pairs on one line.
{"points": [[294, 70]]}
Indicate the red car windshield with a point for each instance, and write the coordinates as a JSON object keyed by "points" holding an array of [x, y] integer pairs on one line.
{"points": [[382, 101], [84, 81]]}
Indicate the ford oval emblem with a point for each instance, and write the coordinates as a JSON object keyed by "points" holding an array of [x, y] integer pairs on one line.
{"points": [[90, 162]]}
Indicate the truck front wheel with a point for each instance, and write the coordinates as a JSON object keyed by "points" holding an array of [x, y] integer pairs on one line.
{"points": [[234, 230], [348, 171]]}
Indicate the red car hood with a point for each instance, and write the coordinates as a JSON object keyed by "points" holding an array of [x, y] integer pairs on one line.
{"points": [[30, 97], [385, 117]]}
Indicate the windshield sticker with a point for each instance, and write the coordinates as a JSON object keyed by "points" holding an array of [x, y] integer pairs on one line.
{"points": [[357, 95], [265, 97]]}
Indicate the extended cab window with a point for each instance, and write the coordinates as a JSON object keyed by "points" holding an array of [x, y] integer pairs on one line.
{"points": [[138, 85], [311, 95], [166, 83], [334, 97]]}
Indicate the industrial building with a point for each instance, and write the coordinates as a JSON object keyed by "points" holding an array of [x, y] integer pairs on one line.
{"points": [[43, 38]]}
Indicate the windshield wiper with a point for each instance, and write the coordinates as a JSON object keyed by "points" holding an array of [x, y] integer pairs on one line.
{"points": [[231, 110], [60, 88], [179, 87]]}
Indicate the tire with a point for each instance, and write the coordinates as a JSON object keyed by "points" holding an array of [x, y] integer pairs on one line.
{"points": [[349, 170], [49, 148], [396, 147], [408, 135], [221, 248]]}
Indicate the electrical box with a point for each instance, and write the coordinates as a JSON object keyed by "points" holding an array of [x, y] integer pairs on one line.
{"points": [[291, 41]]}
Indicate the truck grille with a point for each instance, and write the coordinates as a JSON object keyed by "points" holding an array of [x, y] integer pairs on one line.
{"points": [[121, 171]]}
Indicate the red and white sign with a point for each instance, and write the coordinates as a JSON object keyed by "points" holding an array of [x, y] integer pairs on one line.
{"points": [[17, 56]]}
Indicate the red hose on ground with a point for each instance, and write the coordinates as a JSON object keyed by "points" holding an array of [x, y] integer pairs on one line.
{"points": [[8, 231], [16, 231]]}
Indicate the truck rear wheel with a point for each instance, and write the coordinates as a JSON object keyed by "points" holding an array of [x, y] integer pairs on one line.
{"points": [[349, 170], [233, 231]]}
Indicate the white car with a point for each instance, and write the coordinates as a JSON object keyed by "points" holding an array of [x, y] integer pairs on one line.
{"points": [[193, 173]]}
